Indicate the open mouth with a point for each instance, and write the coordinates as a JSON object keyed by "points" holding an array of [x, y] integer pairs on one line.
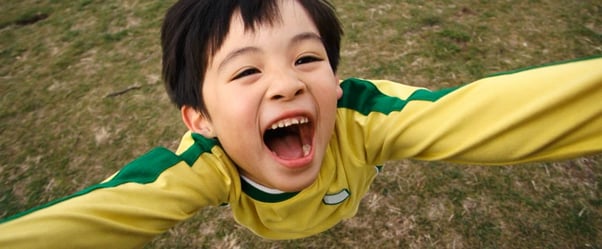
{"points": [[290, 138]]}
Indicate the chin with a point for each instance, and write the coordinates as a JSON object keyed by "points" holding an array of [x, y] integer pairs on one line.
{"points": [[295, 187], [299, 182]]}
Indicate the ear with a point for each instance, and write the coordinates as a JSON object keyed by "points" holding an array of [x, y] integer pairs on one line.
{"points": [[197, 122]]}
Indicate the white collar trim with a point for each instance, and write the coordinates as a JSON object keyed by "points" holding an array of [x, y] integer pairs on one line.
{"points": [[261, 187]]}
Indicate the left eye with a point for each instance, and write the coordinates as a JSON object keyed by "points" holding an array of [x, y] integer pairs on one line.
{"points": [[306, 59]]}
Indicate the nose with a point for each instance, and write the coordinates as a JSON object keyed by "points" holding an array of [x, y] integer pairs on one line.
{"points": [[285, 87]]}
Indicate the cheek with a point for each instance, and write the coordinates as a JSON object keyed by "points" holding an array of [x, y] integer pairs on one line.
{"points": [[329, 94], [326, 84], [333, 93], [237, 131], [235, 120], [235, 117]]}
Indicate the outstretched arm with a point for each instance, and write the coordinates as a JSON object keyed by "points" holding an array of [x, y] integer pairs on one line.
{"points": [[546, 113], [144, 199]]}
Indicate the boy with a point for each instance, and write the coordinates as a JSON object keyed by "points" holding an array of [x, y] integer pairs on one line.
{"points": [[274, 134]]}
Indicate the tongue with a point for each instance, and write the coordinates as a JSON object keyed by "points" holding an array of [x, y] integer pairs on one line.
{"points": [[287, 146]]}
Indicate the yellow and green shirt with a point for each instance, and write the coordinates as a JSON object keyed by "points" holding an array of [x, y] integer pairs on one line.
{"points": [[545, 113]]}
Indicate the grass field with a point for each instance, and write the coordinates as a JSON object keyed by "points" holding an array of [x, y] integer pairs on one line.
{"points": [[81, 96]]}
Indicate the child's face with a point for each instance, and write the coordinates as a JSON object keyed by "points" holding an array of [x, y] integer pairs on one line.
{"points": [[276, 76]]}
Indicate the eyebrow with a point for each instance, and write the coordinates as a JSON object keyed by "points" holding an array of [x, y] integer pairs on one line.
{"points": [[295, 40], [235, 54], [305, 36]]}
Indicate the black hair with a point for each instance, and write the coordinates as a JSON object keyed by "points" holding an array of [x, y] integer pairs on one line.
{"points": [[193, 31]]}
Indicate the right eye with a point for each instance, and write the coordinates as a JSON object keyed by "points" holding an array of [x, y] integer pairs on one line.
{"points": [[246, 72]]}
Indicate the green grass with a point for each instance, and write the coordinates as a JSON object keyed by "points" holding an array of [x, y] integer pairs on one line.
{"points": [[59, 132]]}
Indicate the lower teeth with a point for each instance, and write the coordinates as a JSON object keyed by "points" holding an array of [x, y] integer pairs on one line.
{"points": [[306, 149]]}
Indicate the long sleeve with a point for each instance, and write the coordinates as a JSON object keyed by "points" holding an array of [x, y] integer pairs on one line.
{"points": [[550, 112], [145, 198]]}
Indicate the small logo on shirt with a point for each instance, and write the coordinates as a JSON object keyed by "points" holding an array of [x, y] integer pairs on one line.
{"points": [[334, 199]]}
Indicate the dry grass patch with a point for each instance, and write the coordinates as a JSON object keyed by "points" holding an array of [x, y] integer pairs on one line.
{"points": [[59, 132]]}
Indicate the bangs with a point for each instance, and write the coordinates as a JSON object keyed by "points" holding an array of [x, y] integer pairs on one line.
{"points": [[254, 13]]}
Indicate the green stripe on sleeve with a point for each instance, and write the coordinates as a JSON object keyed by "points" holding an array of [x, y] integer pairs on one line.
{"points": [[145, 169], [201, 145], [364, 97]]}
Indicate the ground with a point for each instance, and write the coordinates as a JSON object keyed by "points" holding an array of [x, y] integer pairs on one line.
{"points": [[82, 96]]}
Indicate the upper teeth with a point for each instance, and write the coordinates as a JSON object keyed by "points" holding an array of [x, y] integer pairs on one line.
{"points": [[289, 121]]}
